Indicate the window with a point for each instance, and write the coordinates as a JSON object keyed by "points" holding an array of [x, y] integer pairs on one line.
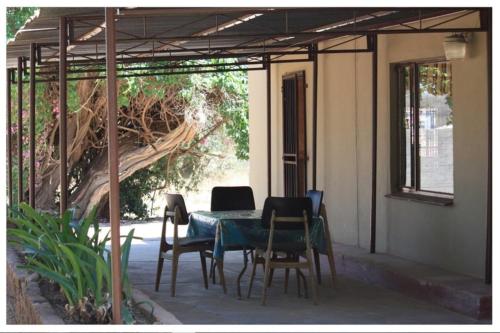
{"points": [[423, 133]]}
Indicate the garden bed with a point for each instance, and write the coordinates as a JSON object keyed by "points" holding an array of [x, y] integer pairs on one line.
{"points": [[29, 306], [36, 301]]}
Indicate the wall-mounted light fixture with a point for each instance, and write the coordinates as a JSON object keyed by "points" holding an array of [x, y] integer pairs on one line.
{"points": [[455, 46]]}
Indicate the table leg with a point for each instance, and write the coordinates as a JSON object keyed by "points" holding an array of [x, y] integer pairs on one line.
{"points": [[219, 262], [317, 265], [245, 264], [220, 266]]}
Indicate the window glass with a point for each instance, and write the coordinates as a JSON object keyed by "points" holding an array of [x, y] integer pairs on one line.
{"points": [[435, 121], [408, 121]]}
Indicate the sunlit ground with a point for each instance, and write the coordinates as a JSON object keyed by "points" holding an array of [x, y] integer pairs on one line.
{"points": [[197, 200]]}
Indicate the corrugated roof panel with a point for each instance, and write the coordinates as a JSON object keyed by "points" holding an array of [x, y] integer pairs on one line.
{"points": [[164, 23]]}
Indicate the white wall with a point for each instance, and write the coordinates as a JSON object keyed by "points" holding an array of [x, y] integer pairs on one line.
{"points": [[449, 237]]}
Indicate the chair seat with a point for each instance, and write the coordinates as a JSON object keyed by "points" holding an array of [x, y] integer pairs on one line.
{"points": [[188, 241], [283, 246]]}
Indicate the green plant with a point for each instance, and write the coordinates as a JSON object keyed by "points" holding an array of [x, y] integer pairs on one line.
{"points": [[65, 252]]}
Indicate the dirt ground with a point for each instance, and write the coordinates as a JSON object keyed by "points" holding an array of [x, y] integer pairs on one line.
{"points": [[11, 319]]}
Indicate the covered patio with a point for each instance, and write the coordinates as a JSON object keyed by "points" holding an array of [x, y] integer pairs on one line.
{"points": [[350, 301], [114, 43]]}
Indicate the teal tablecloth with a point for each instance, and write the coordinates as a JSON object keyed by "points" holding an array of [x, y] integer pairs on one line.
{"points": [[241, 228]]}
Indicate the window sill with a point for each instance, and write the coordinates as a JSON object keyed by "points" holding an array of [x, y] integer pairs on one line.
{"points": [[423, 197]]}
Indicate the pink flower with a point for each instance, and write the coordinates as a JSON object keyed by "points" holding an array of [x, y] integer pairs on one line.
{"points": [[55, 110]]}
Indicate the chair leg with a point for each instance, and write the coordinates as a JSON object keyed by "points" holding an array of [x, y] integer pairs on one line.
{"points": [[298, 281], [270, 280], [317, 265], [312, 278], [302, 276], [175, 264], [204, 268], [252, 276], [287, 274], [267, 272], [331, 263], [159, 269], [271, 274]]}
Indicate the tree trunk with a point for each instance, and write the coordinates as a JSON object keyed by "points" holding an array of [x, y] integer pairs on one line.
{"points": [[150, 127], [132, 158]]}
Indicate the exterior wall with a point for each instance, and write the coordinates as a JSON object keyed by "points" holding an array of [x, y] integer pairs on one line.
{"points": [[449, 237]]}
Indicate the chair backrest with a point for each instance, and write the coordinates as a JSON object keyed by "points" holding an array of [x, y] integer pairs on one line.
{"points": [[232, 198], [176, 200], [286, 207], [317, 200]]}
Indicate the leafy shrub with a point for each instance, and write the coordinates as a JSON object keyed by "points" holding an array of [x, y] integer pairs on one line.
{"points": [[61, 250]]}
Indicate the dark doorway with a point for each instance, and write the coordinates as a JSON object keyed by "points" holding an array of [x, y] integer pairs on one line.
{"points": [[294, 134]]}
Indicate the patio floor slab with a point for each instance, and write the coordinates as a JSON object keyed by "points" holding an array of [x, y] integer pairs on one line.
{"points": [[461, 293], [350, 302]]}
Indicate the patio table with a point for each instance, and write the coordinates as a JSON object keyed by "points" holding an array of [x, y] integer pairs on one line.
{"points": [[241, 228]]}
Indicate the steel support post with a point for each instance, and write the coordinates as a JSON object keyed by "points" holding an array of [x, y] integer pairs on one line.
{"points": [[114, 185], [315, 115], [63, 116], [9, 135], [20, 191], [486, 19], [373, 220], [268, 95], [32, 126]]}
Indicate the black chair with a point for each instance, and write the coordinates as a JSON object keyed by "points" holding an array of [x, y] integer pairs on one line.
{"points": [[232, 198], [284, 214], [226, 198], [317, 199], [177, 213]]}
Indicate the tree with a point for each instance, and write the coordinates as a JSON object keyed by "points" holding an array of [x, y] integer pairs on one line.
{"points": [[16, 17], [164, 123]]}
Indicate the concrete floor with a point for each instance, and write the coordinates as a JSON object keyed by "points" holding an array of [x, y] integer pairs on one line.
{"points": [[349, 302]]}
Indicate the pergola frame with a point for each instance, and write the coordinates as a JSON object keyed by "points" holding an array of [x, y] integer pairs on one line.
{"points": [[257, 54]]}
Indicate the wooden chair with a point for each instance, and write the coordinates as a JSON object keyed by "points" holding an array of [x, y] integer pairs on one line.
{"points": [[319, 209], [285, 214], [177, 213]]}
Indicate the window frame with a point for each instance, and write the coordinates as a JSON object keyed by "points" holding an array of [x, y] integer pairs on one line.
{"points": [[399, 189]]}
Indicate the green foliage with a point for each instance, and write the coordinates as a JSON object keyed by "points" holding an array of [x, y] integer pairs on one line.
{"points": [[225, 92], [235, 109], [133, 189], [16, 17], [65, 252], [218, 95]]}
